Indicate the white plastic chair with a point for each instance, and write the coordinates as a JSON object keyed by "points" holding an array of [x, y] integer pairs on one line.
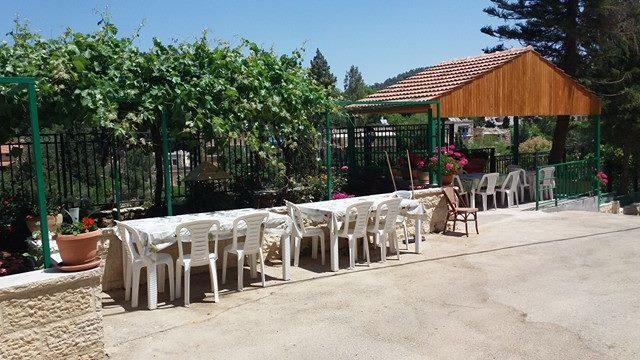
{"points": [[252, 245], [547, 182], [461, 191], [357, 213], [513, 167], [402, 220], [383, 227], [509, 189], [137, 257], [523, 184], [197, 233], [489, 189], [301, 231]]}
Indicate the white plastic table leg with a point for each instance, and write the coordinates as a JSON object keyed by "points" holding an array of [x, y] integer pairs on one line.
{"points": [[418, 237], [333, 243]]}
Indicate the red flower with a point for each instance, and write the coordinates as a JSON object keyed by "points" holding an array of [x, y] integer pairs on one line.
{"points": [[87, 223]]}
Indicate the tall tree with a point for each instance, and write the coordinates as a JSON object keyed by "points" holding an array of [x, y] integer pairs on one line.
{"points": [[354, 86], [559, 30], [320, 71]]}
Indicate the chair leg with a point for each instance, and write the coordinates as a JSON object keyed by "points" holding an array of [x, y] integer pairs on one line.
{"points": [[406, 235], [240, 271], [172, 288], [152, 287], [352, 252], [161, 278], [365, 244], [466, 226], [187, 285], [383, 247], [455, 221], [262, 275], [495, 206], [224, 267], [322, 255], [296, 259], [213, 272], [127, 283], [484, 202], [366, 251], [135, 286], [254, 265], [475, 220], [178, 279]]}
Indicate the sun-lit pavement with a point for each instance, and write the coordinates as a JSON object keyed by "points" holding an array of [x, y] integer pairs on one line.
{"points": [[531, 285]]}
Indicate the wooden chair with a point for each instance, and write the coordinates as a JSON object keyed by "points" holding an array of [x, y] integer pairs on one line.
{"points": [[458, 211]]}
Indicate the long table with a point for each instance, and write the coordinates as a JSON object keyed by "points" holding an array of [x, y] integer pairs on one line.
{"points": [[333, 212], [158, 233]]}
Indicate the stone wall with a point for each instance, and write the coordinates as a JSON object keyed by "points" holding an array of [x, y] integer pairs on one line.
{"points": [[435, 207], [47, 314]]}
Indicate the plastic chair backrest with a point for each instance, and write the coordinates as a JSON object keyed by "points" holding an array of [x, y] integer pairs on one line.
{"points": [[547, 175], [389, 211], [512, 168], [296, 216], [403, 194], [523, 178], [131, 239], [457, 182], [254, 230], [197, 233], [511, 182], [491, 180], [362, 211]]}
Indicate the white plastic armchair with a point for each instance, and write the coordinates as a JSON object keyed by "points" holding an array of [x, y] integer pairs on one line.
{"points": [[404, 194], [461, 190], [300, 230], [485, 190], [138, 257], [547, 182], [197, 234], [383, 227], [523, 184], [509, 189], [252, 245], [358, 214]]}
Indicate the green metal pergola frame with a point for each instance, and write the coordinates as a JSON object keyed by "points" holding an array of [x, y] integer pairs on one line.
{"points": [[19, 83], [378, 107]]}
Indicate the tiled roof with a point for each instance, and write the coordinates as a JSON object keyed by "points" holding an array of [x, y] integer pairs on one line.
{"points": [[442, 78]]}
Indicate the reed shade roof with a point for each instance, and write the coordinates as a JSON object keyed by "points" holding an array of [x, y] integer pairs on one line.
{"points": [[516, 82]]}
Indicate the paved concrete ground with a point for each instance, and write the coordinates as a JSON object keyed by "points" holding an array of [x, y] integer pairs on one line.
{"points": [[532, 285]]}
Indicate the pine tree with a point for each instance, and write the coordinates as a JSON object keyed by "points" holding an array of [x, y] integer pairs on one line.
{"points": [[558, 30], [320, 71], [354, 86]]}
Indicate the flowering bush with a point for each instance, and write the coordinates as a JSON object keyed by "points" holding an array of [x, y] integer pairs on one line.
{"points": [[340, 195], [451, 161], [86, 225], [13, 264], [602, 178]]}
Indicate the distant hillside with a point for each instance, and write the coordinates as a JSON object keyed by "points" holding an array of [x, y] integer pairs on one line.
{"points": [[395, 79]]}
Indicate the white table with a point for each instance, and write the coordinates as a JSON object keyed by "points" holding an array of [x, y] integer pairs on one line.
{"points": [[159, 233], [333, 211]]}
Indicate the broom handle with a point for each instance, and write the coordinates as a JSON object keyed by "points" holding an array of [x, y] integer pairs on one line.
{"points": [[391, 171], [410, 172]]}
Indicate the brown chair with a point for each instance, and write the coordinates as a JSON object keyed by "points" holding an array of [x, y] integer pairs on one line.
{"points": [[458, 211]]}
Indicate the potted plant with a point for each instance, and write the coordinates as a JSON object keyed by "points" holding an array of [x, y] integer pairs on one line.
{"points": [[422, 171], [54, 217], [451, 163], [78, 244]]}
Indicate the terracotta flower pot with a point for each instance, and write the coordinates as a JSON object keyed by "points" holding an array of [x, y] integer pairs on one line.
{"points": [[447, 180], [33, 223], [78, 249]]}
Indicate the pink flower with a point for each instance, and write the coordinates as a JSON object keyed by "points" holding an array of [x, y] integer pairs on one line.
{"points": [[3, 271], [344, 168], [420, 164], [340, 195], [463, 162], [448, 166], [457, 154], [452, 147]]}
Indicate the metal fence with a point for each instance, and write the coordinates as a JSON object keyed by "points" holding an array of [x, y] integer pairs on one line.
{"points": [[565, 181]]}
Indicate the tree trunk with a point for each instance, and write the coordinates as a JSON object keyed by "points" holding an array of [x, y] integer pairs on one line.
{"points": [[623, 186], [569, 64], [559, 139]]}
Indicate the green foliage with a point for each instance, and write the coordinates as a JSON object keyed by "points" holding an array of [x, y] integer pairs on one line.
{"points": [[535, 144], [354, 86], [78, 227], [501, 146], [320, 71]]}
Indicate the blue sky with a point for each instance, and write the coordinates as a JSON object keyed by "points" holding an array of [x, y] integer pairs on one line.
{"points": [[382, 38]]}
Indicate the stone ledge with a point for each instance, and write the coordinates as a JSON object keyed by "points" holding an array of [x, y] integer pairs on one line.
{"points": [[41, 280]]}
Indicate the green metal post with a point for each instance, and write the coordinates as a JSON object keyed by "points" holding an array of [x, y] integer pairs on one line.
{"points": [[327, 134], [596, 149], [37, 162], [431, 143], [537, 187], [167, 169], [515, 148], [439, 129]]}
